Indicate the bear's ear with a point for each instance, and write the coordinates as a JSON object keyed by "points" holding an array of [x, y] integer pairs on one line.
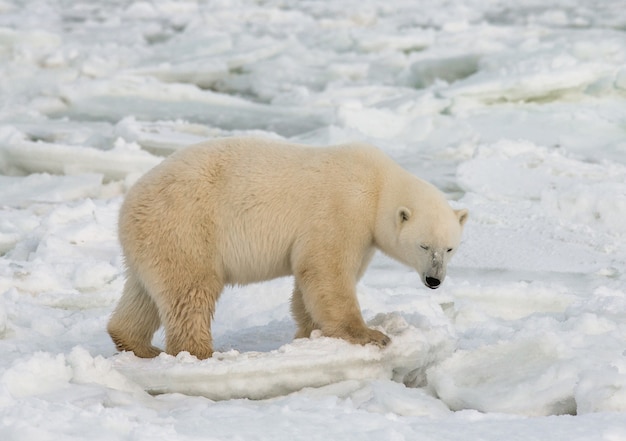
{"points": [[402, 215], [462, 215]]}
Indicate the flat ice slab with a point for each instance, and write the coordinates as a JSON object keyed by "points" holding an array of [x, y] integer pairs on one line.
{"points": [[314, 362]]}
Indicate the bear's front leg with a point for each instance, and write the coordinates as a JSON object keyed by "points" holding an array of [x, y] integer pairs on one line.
{"points": [[328, 297]]}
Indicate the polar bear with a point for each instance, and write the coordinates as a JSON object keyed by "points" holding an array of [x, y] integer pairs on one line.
{"points": [[243, 210]]}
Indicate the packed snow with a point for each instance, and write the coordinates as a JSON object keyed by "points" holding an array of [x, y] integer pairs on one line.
{"points": [[517, 110]]}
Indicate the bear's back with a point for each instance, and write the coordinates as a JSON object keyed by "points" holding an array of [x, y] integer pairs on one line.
{"points": [[250, 201]]}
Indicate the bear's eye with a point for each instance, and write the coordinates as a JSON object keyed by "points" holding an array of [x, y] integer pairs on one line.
{"points": [[424, 247], [449, 250]]}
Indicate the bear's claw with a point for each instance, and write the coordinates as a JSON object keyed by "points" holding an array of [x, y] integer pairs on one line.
{"points": [[364, 336], [378, 338]]}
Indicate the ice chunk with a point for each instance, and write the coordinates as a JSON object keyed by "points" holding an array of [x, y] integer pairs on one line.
{"points": [[41, 157], [20, 191]]}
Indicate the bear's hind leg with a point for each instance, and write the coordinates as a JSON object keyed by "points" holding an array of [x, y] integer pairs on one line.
{"points": [[188, 320], [134, 320], [303, 319]]}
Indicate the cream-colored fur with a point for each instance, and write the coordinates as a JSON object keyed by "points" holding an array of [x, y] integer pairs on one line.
{"points": [[243, 210]]}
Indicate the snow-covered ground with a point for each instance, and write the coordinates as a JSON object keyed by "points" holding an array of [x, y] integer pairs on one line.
{"points": [[517, 110]]}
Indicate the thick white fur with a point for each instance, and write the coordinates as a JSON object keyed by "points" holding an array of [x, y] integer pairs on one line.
{"points": [[243, 210]]}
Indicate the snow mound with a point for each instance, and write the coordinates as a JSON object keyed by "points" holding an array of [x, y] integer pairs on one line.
{"points": [[314, 362], [530, 376], [537, 364], [602, 390]]}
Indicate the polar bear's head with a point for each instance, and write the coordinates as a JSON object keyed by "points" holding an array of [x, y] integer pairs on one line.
{"points": [[425, 234], [429, 241]]}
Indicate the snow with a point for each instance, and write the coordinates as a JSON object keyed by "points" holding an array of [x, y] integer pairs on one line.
{"points": [[516, 111]]}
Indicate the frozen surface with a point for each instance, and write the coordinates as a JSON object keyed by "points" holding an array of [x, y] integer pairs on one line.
{"points": [[517, 110]]}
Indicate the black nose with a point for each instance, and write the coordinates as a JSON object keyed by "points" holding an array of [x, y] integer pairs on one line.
{"points": [[432, 282]]}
